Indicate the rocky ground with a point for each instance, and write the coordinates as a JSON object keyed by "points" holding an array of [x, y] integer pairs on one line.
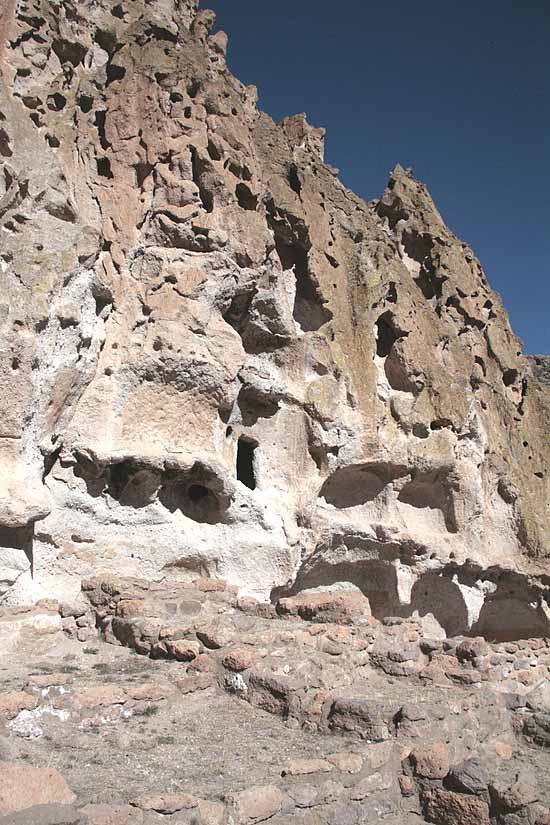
{"points": [[143, 703]]}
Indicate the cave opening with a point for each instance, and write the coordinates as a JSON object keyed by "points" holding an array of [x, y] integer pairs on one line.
{"points": [[197, 492], [245, 462]]}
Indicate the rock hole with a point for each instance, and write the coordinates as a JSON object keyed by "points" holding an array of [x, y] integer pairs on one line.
{"points": [[357, 484], [160, 33], [509, 377], [5, 148], [193, 88], [114, 73], [294, 179], [245, 462], [107, 40], [103, 298], [118, 11], [35, 118], [85, 103], [18, 538], [237, 313], [197, 494], [104, 167], [143, 170], [99, 121], [213, 151], [56, 102], [428, 491], [293, 245], [441, 424], [505, 619], [246, 199], [67, 52], [310, 313], [386, 334], [206, 196], [252, 406]]}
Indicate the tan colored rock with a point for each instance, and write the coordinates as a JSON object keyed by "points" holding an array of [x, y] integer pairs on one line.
{"points": [[149, 691], [328, 607], [256, 804], [183, 650], [211, 813], [15, 701], [302, 767], [210, 585], [45, 680], [166, 803], [504, 750], [346, 761], [369, 785], [99, 814], [199, 681], [99, 696], [22, 786], [50, 814]]}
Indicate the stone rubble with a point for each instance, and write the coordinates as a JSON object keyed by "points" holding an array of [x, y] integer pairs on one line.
{"points": [[461, 737], [274, 489]]}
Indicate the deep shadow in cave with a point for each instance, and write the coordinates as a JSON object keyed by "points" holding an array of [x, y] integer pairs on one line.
{"points": [[19, 538], [245, 462], [197, 494]]}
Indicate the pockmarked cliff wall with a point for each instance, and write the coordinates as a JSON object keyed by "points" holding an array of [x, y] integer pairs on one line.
{"points": [[217, 360]]}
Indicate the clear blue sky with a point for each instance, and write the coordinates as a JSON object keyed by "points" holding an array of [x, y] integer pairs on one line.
{"points": [[460, 91]]}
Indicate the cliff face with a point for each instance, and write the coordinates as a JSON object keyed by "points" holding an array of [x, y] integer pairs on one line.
{"points": [[219, 361]]}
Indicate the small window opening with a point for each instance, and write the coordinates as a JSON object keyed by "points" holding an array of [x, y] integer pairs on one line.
{"points": [[245, 198], [386, 335], [245, 463], [509, 377], [104, 167], [114, 72]]}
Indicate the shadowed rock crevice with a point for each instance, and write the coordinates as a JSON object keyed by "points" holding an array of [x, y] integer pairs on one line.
{"points": [[429, 490], [358, 484], [293, 244], [246, 462], [198, 494], [253, 405]]}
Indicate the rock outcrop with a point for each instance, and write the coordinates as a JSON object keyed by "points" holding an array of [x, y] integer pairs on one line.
{"points": [[217, 361]]}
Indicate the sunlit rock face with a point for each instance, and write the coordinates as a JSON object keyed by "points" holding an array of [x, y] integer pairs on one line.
{"points": [[219, 361]]}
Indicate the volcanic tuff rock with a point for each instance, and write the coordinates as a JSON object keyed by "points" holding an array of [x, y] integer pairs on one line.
{"points": [[218, 361]]}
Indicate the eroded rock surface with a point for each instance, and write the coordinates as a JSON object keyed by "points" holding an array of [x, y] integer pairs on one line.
{"points": [[218, 361]]}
